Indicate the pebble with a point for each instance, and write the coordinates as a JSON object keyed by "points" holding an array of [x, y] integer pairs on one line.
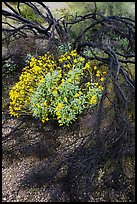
{"points": [[4, 199]]}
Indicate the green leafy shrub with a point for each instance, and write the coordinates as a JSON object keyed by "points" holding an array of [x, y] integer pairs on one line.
{"points": [[107, 8], [57, 90], [117, 8], [125, 9], [30, 14], [62, 48]]}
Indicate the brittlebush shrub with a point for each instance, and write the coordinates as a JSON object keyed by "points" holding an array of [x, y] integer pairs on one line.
{"points": [[57, 90]]}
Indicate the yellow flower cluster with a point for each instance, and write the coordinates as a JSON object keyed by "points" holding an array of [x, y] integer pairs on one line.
{"points": [[68, 56], [31, 76], [93, 99], [58, 113], [77, 94], [100, 74], [49, 89], [87, 66], [69, 60]]}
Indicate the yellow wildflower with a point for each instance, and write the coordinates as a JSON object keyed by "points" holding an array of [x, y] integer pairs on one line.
{"points": [[68, 66], [100, 87], [94, 97], [58, 115], [104, 72], [102, 79], [54, 92], [62, 80], [22, 92], [87, 65], [80, 92], [43, 120], [97, 75], [70, 80], [60, 60], [92, 101], [45, 103], [60, 124], [76, 95], [42, 79], [59, 106], [88, 83], [73, 53], [75, 61], [95, 68]]}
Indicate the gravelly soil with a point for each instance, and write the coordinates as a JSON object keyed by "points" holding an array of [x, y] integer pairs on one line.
{"points": [[25, 153], [25, 149]]}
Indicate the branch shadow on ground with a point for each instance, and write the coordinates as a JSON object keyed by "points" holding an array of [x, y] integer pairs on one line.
{"points": [[31, 139], [76, 178], [73, 178]]}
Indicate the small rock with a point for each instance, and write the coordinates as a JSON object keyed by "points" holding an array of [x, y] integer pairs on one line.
{"points": [[4, 198]]}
